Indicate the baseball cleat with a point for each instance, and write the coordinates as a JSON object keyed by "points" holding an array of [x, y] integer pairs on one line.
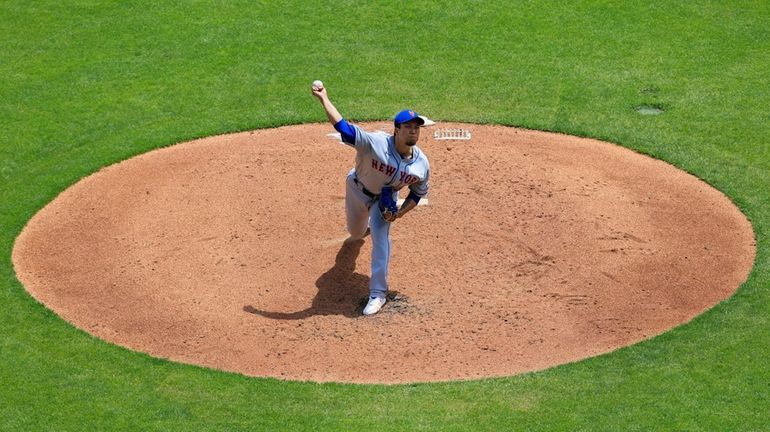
{"points": [[374, 305]]}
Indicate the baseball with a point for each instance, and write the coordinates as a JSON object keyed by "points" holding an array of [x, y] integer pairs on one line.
{"points": [[318, 85]]}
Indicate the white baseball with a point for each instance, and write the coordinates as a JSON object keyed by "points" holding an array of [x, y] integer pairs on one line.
{"points": [[318, 85]]}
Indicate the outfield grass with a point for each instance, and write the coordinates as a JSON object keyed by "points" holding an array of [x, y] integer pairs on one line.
{"points": [[89, 83]]}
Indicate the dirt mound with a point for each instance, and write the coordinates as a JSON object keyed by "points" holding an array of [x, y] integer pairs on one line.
{"points": [[535, 249]]}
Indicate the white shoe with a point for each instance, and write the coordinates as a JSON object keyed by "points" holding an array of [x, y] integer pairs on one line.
{"points": [[374, 305]]}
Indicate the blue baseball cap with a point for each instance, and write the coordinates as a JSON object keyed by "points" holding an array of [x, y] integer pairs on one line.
{"points": [[406, 116]]}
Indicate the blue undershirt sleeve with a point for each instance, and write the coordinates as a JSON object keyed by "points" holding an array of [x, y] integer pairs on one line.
{"points": [[414, 197], [347, 132]]}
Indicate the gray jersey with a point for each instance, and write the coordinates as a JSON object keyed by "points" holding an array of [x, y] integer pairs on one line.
{"points": [[378, 164]]}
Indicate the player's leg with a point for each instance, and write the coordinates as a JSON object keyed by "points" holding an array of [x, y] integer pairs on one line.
{"points": [[356, 209], [378, 285]]}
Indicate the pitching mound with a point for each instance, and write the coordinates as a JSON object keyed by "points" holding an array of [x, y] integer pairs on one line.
{"points": [[535, 249]]}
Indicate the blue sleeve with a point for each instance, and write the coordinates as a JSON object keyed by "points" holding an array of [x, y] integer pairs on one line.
{"points": [[347, 132], [414, 197]]}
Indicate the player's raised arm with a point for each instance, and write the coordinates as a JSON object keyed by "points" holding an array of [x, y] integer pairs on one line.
{"points": [[347, 132], [331, 111]]}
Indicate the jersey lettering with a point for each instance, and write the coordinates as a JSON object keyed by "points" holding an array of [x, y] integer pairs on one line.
{"points": [[408, 178], [385, 168], [374, 151]]}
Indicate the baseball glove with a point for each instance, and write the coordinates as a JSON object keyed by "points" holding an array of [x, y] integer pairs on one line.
{"points": [[388, 206]]}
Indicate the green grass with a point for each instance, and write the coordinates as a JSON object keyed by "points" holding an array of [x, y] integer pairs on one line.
{"points": [[89, 83]]}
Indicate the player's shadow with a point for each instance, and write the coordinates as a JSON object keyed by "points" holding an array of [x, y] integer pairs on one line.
{"points": [[341, 291]]}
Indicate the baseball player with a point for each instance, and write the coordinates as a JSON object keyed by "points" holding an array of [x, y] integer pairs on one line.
{"points": [[384, 165]]}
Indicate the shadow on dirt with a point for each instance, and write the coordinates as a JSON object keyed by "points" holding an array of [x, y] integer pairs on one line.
{"points": [[341, 291]]}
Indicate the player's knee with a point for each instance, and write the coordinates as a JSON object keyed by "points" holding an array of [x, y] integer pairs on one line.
{"points": [[358, 232]]}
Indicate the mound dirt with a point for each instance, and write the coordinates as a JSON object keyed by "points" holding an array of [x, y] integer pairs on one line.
{"points": [[535, 249]]}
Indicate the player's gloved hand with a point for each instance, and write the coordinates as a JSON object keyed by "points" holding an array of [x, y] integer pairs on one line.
{"points": [[388, 206]]}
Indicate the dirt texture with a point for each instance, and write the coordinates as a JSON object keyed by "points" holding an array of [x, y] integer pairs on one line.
{"points": [[535, 249]]}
